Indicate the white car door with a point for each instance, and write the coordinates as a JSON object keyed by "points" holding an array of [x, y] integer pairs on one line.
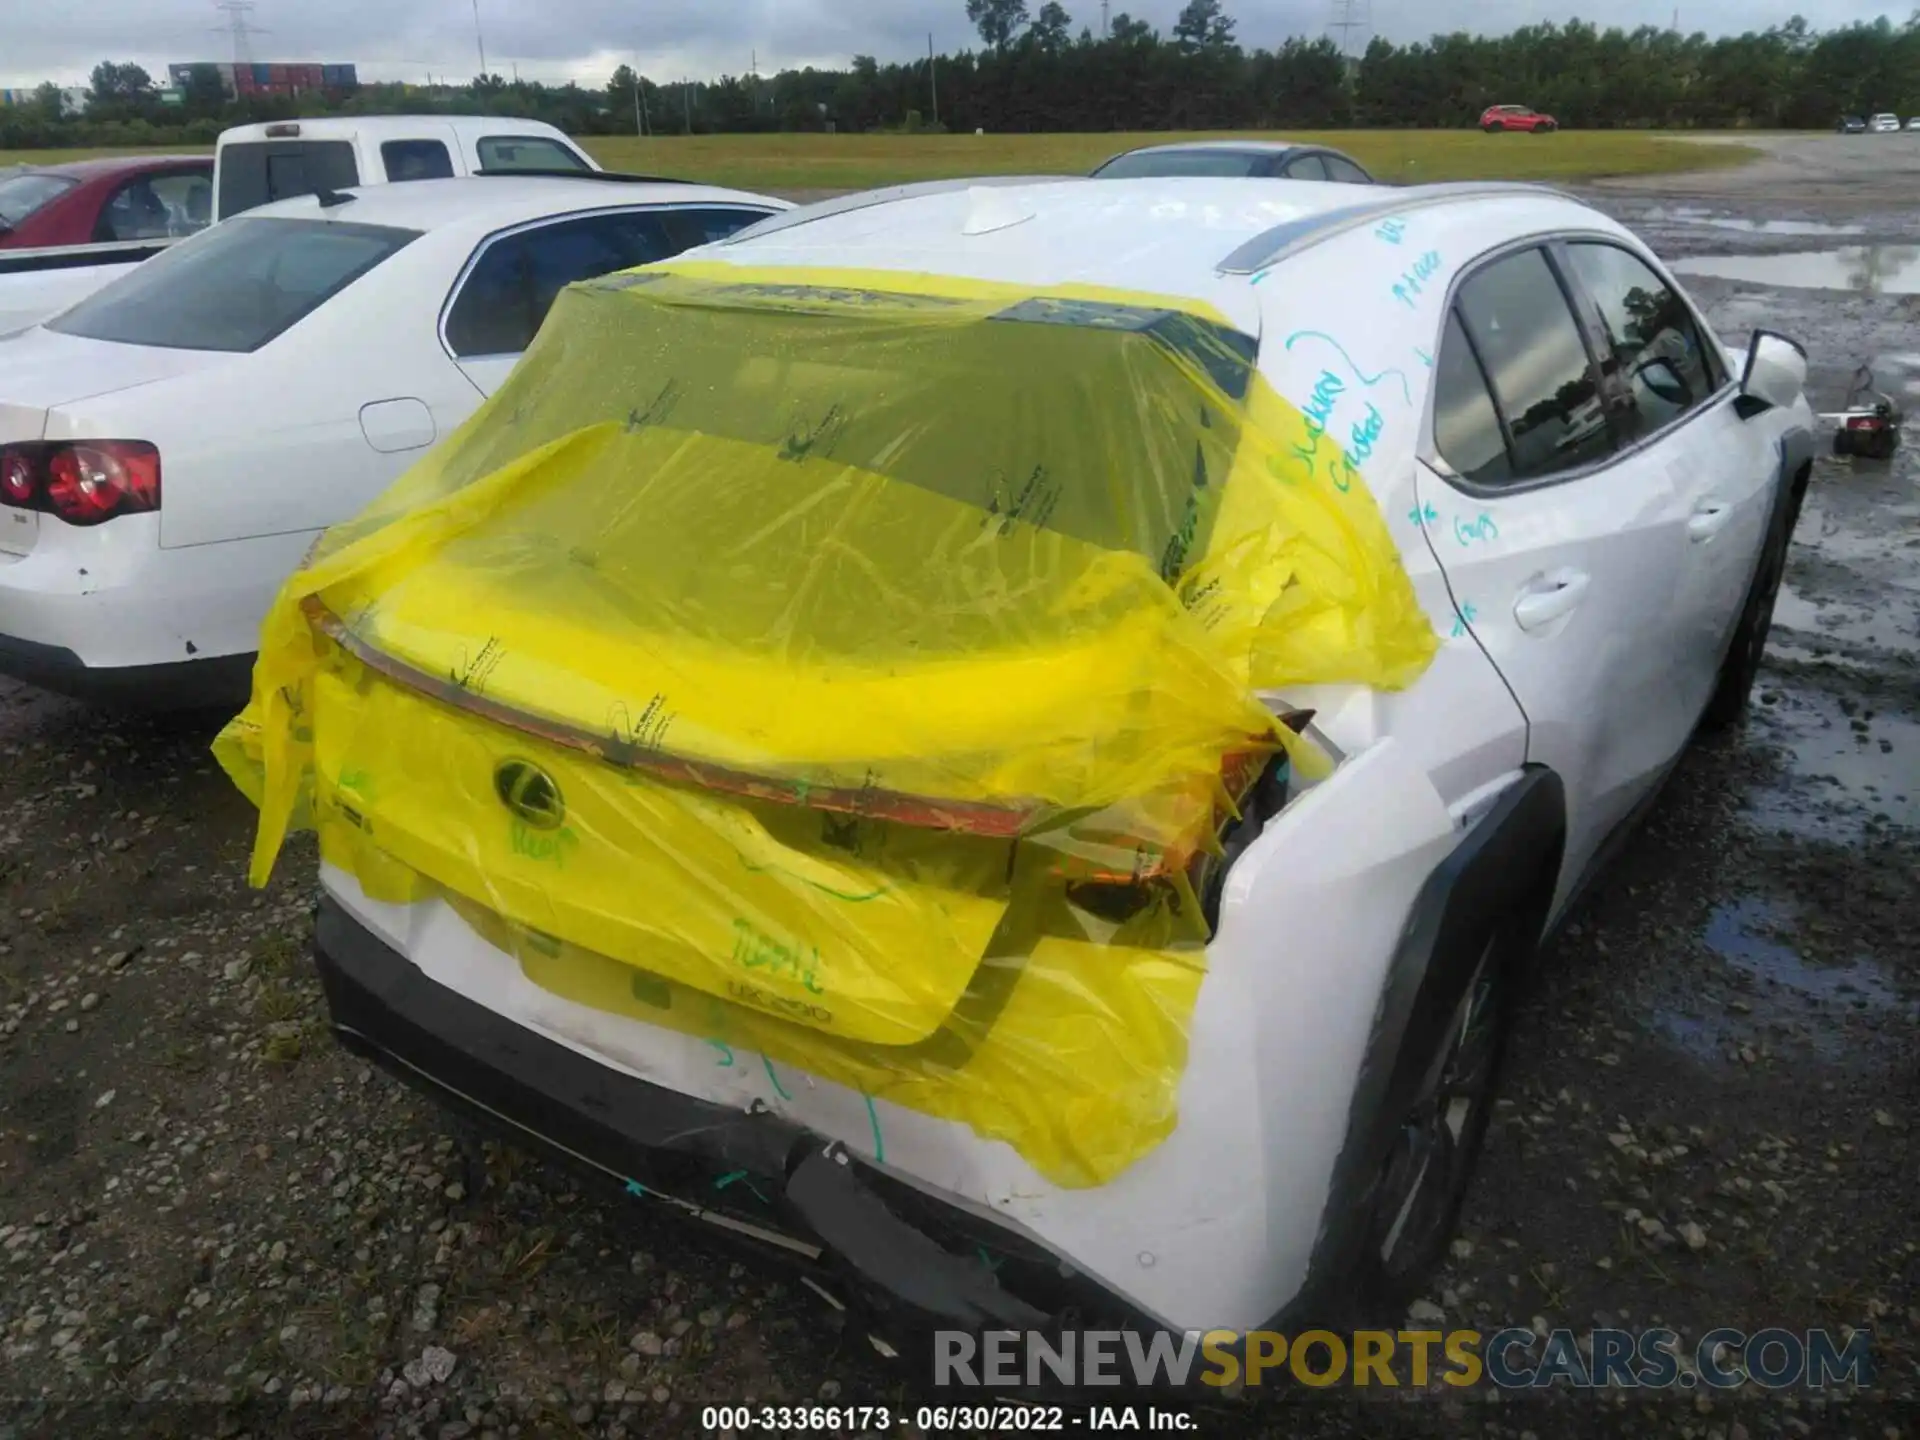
{"points": [[1677, 402], [1563, 557], [511, 282]]}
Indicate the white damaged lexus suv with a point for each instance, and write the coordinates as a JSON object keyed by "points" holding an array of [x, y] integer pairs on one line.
{"points": [[1011, 744]]}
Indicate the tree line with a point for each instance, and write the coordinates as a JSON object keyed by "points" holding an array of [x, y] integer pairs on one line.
{"points": [[1035, 71]]}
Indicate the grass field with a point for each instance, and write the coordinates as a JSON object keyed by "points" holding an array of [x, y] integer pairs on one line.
{"points": [[850, 162]]}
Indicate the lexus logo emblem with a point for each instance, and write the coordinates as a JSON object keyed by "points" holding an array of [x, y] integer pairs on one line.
{"points": [[530, 793]]}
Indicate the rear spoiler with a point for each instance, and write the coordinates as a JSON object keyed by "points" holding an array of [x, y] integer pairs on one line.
{"points": [[77, 257]]}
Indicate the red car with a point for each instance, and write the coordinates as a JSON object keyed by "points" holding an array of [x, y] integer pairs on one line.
{"points": [[1496, 118], [87, 202]]}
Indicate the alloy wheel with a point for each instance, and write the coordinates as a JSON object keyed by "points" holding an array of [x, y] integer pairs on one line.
{"points": [[1432, 1155]]}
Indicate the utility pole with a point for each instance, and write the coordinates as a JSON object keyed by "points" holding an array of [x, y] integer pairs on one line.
{"points": [[686, 102], [1105, 30], [933, 77], [639, 121], [478, 38]]}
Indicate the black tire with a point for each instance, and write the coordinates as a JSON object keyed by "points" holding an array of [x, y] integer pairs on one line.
{"points": [[1843, 441], [1494, 129], [1420, 1189], [1730, 693]]}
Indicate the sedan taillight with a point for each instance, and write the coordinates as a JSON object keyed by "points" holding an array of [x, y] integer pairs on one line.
{"points": [[82, 481]]}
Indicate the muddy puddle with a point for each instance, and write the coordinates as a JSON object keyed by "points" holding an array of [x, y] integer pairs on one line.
{"points": [[1801, 623], [1746, 225], [1870, 269], [1774, 996], [1845, 766]]}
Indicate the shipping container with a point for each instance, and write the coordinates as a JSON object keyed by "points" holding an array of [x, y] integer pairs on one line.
{"points": [[278, 74], [225, 67], [262, 75]]}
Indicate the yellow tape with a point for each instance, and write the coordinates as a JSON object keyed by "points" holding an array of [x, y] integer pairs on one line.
{"points": [[796, 645]]}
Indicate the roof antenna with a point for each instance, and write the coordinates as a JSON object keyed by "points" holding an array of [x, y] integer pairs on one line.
{"points": [[330, 198]]}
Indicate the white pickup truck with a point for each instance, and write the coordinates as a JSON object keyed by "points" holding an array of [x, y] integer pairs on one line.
{"points": [[257, 164]]}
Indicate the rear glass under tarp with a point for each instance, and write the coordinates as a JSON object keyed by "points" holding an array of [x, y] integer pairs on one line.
{"points": [[796, 642]]}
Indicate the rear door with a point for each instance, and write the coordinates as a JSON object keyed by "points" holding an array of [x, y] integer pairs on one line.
{"points": [[1673, 404], [503, 297], [1562, 555]]}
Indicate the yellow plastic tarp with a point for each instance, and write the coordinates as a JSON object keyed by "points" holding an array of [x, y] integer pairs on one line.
{"points": [[859, 666]]}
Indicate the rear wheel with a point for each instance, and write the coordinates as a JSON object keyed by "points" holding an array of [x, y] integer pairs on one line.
{"points": [[1493, 127], [1423, 1183]]}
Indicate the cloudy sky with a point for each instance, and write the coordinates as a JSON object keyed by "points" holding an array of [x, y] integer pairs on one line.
{"points": [[584, 39]]}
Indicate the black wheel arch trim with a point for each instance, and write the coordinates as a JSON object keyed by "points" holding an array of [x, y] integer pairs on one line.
{"points": [[1505, 865], [1797, 449]]}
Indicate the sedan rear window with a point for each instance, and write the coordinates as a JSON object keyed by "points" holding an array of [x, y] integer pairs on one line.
{"points": [[21, 195], [235, 287], [1149, 164]]}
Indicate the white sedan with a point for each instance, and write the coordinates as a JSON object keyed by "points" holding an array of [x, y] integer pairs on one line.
{"points": [[1591, 498], [170, 446]]}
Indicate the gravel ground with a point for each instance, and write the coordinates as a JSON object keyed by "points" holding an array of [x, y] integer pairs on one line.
{"points": [[214, 1222]]}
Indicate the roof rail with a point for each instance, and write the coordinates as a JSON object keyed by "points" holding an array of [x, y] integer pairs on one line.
{"points": [[867, 199], [618, 177], [1271, 246]]}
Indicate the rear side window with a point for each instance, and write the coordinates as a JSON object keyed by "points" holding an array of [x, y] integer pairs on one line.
{"points": [[21, 195], [1656, 352], [256, 173], [704, 227], [157, 207], [1345, 171], [1307, 167], [1535, 360], [235, 287], [416, 160], [527, 152], [507, 294], [1229, 164], [1466, 427]]}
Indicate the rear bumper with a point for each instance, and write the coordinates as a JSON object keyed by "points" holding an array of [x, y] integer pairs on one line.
{"points": [[880, 1248], [222, 680]]}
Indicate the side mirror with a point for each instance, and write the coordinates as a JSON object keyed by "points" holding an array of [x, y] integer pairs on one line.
{"points": [[1663, 380], [1775, 373]]}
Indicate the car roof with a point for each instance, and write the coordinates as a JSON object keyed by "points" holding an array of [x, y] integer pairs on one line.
{"points": [[1263, 147], [1172, 236], [114, 165], [395, 126], [488, 202]]}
